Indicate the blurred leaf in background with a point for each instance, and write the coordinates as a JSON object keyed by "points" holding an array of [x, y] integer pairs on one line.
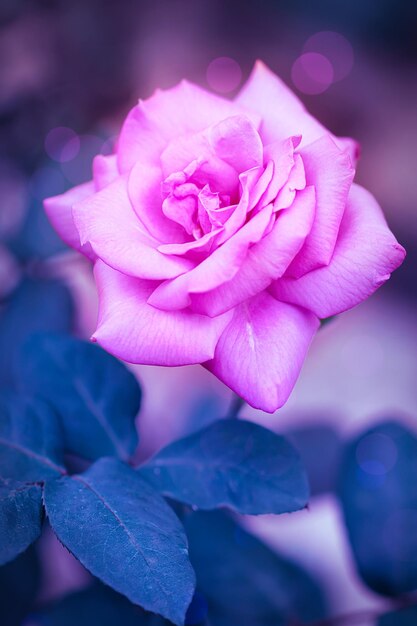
{"points": [[322, 442], [95, 606], [402, 617], [37, 305], [243, 581], [378, 492], [19, 584]]}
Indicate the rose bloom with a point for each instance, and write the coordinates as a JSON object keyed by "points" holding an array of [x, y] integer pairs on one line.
{"points": [[221, 232]]}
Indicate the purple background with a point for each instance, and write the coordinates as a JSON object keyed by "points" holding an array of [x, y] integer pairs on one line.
{"points": [[82, 64]]}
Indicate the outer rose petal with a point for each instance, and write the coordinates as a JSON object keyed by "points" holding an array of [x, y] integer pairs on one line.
{"points": [[216, 269], [136, 332], [151, 124], [260, 353], [331, 172], [366, 253], [282, 112], [107, 221], [104, 170], [59, 212], [265, 261]]}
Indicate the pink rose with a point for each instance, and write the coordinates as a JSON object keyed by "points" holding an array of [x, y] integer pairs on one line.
{"points": [[222, 232]]}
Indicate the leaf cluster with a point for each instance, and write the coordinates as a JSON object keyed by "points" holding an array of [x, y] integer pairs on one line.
{"points": [[67, 447]]}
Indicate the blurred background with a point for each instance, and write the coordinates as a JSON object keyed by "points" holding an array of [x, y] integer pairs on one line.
{"points": [[70, 71]]}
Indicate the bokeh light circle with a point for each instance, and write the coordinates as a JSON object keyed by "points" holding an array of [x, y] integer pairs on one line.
{"points": [[336, 48], [224, 74], [62, 144], [312, 73]]}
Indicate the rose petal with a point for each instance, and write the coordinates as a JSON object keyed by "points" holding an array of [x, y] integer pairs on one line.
{"points": [[282, 113], [151, 124], [59, 212], [265, 261], [209, 168], [281, 155], [237, 218], [108, 223], [365, 254], [144, 189], [296, 182], [216, 269], [236, 141], [104, 170], [210, 214], [260, 353], [136, 332], [331, 172], [181, 207], [203, 245], [258, 192]]}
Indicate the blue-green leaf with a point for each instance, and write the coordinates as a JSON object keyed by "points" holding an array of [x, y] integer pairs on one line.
{"points": [[402, 617], [121, 529], [97, 397], [322, 469], [30, 439], [36, 306], [96, 605], [20, 518], [19, 585], [243, 581], [378, 491], [231, 463]]}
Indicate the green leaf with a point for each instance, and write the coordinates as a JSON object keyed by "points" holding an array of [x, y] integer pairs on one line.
{"points": [[37, 305], [97, 605], [231, 463], [402, 617], [244, 582], [30, 439], [20, 518], [97, 397], [121, 529], [20, 582]]}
